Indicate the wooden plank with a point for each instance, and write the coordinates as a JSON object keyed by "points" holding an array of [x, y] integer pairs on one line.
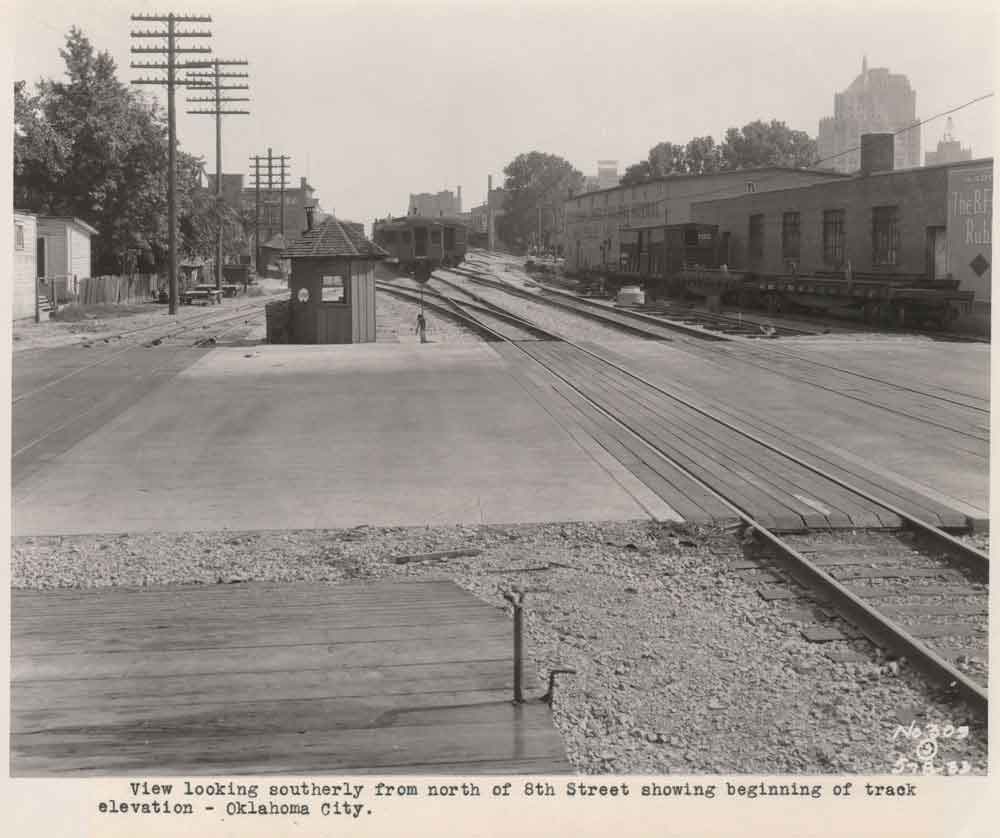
{"points": [[256, 659], [925, 630], [886, 572], [184, 635], [264, 716], [302, 683], [888, 591], [941, 609], [694, 425], [773, 592], [700, 462], [170, 753]]}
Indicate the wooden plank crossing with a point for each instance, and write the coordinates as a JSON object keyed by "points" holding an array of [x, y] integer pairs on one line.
{"points": [[402, 676]]}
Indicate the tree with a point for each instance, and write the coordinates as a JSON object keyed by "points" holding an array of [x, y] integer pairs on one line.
{"points": [[535, 180], [91, 147], [756, 144], [767, 144]]}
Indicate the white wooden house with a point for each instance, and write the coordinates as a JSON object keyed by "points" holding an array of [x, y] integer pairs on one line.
{"points": [[25, 264], [64, 247]]}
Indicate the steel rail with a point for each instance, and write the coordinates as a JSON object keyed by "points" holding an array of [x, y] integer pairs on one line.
{"points": [[746, 359], [114, 354], [875, 625]]}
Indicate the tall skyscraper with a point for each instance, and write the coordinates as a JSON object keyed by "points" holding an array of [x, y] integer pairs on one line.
{"points": [[876, 101]]}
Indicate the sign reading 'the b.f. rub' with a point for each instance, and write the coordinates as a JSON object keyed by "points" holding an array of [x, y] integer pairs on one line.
{"points": [[970, 220]]}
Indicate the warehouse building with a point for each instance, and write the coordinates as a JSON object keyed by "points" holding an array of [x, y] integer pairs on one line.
{"points": [[603, 228], [932, 222]]}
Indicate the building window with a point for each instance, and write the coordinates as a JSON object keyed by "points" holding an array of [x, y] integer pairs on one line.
{"points": [[18, 237], [333, 289], [755, 236], [833, 237], [751, 186], [885, 235], [790, 235]]}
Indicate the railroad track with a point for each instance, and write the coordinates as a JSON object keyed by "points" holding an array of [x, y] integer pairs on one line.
{"points": [[970, 412], [190, 324], [906, 586]]}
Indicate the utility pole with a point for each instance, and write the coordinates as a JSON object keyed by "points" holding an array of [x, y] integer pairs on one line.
{"points": [[171, 65], [212, 81], [259, 160], [489, 212]]}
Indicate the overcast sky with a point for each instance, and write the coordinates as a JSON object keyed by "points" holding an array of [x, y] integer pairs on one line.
{"points": [[374, 101]]}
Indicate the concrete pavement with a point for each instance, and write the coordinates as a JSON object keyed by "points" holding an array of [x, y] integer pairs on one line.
{"points": [[329, 436]]}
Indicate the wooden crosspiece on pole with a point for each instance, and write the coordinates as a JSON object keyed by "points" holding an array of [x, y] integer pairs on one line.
{"points": [[270, 161], [213, 81], [171, 50]]}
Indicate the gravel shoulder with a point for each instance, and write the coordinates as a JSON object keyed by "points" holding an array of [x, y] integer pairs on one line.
{"points": [[681, 667]]}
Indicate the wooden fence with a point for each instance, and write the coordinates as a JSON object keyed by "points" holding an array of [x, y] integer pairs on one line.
{"points": [[137, 288]]}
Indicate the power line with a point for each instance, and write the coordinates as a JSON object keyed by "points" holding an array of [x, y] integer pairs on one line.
{"points": [[212, 82], [817, 164], [171, 65]]}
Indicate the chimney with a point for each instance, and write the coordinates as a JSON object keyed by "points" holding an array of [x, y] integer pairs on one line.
{"points": [[302, 182], [459, 199], [310, 215], [876, 153]]}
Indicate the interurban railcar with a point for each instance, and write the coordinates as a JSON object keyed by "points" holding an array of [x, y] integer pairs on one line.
{"points": [[414, 238]]}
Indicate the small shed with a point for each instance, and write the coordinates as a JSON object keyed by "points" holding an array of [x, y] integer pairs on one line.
{"points": [[25, 264], [332, 283], [271, 258], [64, 247]]}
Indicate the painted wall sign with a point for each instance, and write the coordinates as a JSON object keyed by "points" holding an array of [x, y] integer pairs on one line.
{"points": [[970, 221]]}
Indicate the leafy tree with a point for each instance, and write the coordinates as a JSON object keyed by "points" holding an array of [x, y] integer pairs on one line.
{"points": [[535, 180], [767, 144], [89, 146], [756, 144]]}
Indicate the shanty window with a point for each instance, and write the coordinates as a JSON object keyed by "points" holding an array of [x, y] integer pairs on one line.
{"points": [[885, 235], [333, 289], [833, 237], [18, 237], [435, 237], [751, 186], [755, 237], [790, 235]]}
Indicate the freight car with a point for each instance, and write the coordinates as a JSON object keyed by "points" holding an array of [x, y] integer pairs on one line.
{"points": [[691, 261], [413, 238]]}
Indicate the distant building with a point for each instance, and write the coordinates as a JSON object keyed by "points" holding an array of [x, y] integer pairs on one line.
{"points": [[297, 199], [445, 203], [479, 216], [607, 177], [949, 150], [876, 101]]}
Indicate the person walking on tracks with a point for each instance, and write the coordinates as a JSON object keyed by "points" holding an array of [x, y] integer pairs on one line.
{"points": [[421, 327]]}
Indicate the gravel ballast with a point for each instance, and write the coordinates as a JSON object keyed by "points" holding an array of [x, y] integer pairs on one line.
{"points": [[681, 666]]}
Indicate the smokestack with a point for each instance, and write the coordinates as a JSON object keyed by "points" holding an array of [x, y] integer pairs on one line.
{"points": [[459, 198], [876, 153], [310, 215]]}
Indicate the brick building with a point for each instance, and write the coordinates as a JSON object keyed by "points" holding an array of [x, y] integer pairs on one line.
{"points": [[296, 200], [599, 227], [445, 203], [933, 222]]}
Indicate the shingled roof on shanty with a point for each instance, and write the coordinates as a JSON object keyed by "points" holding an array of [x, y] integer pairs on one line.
{"points": [[333, 237]]}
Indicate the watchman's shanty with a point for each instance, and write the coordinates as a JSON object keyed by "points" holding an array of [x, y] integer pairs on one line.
{"points": [[332, 283]]}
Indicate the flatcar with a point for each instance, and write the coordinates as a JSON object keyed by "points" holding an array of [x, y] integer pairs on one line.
{"points": [[693, 261], [413, 238]]}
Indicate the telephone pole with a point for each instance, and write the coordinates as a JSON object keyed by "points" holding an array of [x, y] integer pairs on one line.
{"points": [[260, 160], [171, 50], [213, 81]]}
